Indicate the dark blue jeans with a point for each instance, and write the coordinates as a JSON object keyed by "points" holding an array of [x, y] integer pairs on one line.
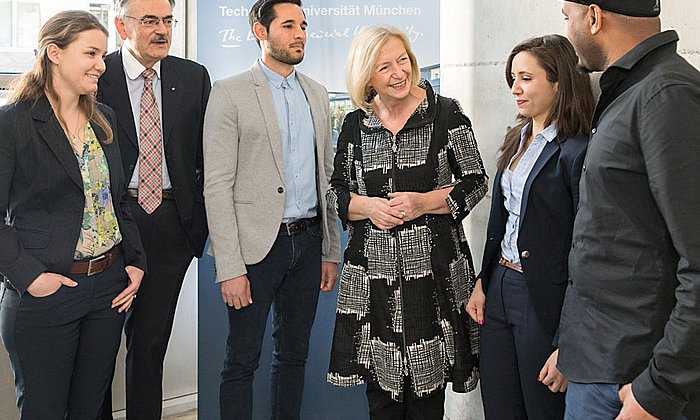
{"points": [[595, 401], [288, 279], [592, 401], [63, 347]]}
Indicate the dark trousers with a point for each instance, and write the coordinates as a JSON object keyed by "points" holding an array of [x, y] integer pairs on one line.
{"points": [[288, 279], [63, 347], [514, 348], [383, 407], [150, 320]]}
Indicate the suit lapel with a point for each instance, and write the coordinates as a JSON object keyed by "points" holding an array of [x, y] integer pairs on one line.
{"points": [[267, 106], [171, 93], [549, 150], [50, 131], [115, 88]]}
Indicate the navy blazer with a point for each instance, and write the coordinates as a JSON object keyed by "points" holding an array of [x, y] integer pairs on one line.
{"points": [[550, 201], [41, 189], [185, 87]]}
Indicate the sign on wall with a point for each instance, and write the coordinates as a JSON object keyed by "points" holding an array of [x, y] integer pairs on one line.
{"points": [[226, 45]]}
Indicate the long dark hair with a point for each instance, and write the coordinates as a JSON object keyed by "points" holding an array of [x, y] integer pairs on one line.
{"points": [[574, 102], [61, 30]]}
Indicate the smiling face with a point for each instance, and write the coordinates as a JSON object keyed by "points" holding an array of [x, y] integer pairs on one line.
{"points": [[80, 64], [392, 74], [283, 43], [533, 93], [148, 45]]}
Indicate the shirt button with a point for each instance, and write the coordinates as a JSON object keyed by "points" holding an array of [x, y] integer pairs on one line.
{"points": [[594, 130], [525, 254], [571, 282], [280, 190]]}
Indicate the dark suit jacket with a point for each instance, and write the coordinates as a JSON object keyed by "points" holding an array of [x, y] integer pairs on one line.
{"points": [[185, 92], [550, 200], [41, 190]]}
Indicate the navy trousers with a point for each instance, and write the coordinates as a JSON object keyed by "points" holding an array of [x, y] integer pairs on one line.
{"points": [[514, 348], [63, 347], [288, 279], [149, 322]]}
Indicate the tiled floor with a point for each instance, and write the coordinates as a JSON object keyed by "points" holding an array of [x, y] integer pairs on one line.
{"points": [[190, 415]]}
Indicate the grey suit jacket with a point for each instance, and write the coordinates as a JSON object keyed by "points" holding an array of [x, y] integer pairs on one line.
{"points": [[244, 187]]}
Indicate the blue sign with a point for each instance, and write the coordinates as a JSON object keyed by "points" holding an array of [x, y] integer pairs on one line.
{"points": [[226, 45]]}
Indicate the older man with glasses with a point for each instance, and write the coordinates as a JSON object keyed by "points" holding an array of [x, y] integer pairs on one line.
{"points": [[159, 101]]}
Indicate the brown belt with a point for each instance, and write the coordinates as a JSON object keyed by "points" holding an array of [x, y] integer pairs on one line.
{"points": [[97, 264], [134, 193], [516, 267]]}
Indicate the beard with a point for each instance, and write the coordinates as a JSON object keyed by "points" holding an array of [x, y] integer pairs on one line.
{"points": [[592, 57], [283, 55]]}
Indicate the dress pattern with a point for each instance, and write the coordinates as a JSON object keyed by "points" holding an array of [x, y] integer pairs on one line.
{"points": [[400, 319]]}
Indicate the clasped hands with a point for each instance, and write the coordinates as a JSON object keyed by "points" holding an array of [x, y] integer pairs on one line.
{"points": [[400, 207]]}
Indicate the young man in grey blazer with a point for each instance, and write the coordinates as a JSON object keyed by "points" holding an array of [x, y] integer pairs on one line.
{"points": [[268, 157]]}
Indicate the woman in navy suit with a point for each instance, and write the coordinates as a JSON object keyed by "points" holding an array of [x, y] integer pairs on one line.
{"points": [[70, 258], [519, 294]]}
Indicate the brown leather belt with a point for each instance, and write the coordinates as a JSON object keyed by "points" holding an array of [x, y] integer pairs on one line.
{"points": [[516, 267], [298, 226], [97, 264], [134, 193]]}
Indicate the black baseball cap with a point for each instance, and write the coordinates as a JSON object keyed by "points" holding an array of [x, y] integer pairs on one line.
{"points": [[638, 8]]}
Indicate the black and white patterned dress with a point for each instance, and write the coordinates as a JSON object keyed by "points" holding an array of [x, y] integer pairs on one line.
{"points": [[400, 312]]}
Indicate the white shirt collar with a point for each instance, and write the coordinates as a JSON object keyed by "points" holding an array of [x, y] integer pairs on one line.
{"points": [[549, 133], [132, 67]]}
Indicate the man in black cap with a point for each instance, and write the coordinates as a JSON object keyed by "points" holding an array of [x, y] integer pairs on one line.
{"points": [[629, 336]]}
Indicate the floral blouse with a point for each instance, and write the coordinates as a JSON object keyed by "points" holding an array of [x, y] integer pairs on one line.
{"points": [[100, 230]]}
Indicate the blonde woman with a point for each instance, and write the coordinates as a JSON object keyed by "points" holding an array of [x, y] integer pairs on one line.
{"points": [[407, 172]]}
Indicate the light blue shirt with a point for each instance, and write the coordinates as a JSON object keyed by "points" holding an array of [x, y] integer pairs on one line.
{"points": [[134, 83], [513, 185], [297, 138]]}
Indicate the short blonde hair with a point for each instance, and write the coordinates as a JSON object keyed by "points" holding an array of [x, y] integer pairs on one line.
{"points": [[362, 58]]}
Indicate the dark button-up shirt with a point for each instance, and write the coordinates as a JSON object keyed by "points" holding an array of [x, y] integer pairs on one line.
{"points": [[632, 310]]}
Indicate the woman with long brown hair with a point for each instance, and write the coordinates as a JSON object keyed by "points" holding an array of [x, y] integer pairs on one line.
{"points": [[71, 259], [519, 294]]}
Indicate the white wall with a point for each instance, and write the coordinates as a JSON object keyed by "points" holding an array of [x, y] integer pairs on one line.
{"points": [[476, 37]]}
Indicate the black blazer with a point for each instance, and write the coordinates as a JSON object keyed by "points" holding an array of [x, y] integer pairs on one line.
{"points": [[41, 190], [550, 200], [185, 92]]}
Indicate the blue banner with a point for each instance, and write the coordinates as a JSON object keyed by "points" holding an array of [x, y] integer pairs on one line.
{"points": [[226, 45]]}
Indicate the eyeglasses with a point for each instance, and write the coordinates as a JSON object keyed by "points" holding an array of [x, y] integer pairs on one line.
{"points": [[152, 21]]}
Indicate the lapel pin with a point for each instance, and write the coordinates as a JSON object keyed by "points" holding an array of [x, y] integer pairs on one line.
{"points": [[173, 88]]}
